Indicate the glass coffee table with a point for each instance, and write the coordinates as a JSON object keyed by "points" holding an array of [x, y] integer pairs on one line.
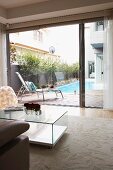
{"points": [[46, 128]]}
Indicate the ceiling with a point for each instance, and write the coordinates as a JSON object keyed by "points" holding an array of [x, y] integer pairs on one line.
{"points": [[17, 3], [16, 11]]}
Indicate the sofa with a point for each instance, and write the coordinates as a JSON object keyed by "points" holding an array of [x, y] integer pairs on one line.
{"points": [[14, 147]]}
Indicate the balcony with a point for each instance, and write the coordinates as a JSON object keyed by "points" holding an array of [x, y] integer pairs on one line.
{"points": [[97, 39]]}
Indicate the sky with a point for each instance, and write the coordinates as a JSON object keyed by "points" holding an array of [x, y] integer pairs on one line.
{"points": [[65, 39]]}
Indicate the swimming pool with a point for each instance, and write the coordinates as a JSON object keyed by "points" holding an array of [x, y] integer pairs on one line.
{"points": [[70, 88]]}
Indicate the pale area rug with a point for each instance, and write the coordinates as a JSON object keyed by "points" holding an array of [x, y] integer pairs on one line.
{"points": [[87, 145]]}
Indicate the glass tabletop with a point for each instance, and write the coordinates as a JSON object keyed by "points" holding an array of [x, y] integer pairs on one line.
{"points": [[49, 115]]}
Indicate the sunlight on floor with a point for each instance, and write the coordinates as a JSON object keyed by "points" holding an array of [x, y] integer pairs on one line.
{"points": [[85, 112]]}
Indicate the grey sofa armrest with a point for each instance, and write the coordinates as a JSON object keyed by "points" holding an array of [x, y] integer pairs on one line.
{"points": [[11, 129]]}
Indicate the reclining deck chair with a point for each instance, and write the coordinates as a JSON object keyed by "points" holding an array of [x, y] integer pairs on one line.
{"points": [[27, 86], [31, 88]]}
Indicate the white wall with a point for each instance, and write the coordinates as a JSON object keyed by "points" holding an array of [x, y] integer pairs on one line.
{"points": [[3, 60]]}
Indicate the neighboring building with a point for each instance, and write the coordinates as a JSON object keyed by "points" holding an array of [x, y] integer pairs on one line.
{"points": [[21, 49], [96, 40], [89, 53], [94, 50], [30, 38]]}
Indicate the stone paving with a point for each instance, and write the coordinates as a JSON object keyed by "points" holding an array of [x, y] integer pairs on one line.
{"points": [[93, 98]]}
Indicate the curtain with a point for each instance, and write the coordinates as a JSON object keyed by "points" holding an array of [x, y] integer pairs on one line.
{"points": [[3, 56], [108, 64]]}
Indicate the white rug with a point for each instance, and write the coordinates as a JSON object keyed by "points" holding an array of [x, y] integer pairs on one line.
{"points": [[87, 145]]}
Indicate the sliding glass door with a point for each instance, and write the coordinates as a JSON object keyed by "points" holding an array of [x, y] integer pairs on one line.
{"points": [[50, 60], [94, 43], [76, 59]]}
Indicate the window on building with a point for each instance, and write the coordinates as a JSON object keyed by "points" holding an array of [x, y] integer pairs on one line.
{"points": [[17, 34], [99, 25], [37, 35], [91, 69]]}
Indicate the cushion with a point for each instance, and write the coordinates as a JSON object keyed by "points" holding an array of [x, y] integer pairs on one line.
{"points": [[31, 86], [11, 129]]}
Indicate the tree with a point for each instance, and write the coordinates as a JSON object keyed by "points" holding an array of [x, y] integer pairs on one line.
{"points": [[12, 53], [75, 70], [33, 65], [30, 64]]}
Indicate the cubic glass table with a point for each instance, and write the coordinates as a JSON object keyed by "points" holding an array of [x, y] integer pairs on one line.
{"points": [[46, 128]]}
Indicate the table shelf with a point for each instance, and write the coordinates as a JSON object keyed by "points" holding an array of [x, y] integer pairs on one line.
{"points": [[44, 135]]}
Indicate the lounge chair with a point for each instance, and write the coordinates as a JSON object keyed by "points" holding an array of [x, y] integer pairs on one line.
{"points": [[31, 88]]}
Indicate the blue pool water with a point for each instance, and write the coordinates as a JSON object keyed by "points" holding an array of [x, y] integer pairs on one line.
{"points": [[70, 88]]}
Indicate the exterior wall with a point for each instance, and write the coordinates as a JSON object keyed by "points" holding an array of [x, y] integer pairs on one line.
{"points": [[96, 40], [32, 41], [30, 38], [89, 51], [39, 53], [96, 37], [99, 69]]}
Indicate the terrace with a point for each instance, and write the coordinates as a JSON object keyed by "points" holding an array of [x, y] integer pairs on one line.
{"points": [[93, 98]]}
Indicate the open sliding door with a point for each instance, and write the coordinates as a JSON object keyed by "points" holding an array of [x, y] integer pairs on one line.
{"points": [[94, 74]]}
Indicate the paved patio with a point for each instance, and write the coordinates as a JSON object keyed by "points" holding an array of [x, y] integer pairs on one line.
{"points": [[93, 98]]}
